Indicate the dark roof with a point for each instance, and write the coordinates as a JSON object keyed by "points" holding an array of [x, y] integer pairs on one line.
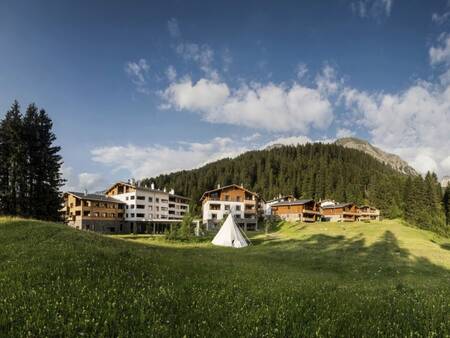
{"points": [[297, 202], [341, 205], [94, 197], [226, 187]]}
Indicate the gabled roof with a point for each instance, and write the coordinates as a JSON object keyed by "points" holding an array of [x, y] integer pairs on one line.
{"points": [[226, 187], [341, 205], [297, 202], [93, 197]]}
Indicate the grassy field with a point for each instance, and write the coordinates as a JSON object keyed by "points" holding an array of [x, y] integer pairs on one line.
{"points": [[328, 279]]}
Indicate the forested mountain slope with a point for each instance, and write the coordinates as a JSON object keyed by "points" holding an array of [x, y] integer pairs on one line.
{"points": [[319, 171]]}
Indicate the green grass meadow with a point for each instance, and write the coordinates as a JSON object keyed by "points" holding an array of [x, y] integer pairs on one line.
{"points": [[323, 279]]}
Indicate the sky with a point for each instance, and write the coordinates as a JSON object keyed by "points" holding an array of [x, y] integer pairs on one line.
{"points": [[140, 88]]}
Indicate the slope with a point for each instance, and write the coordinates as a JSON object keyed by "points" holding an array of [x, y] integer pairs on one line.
{"points": [[299, 281]]}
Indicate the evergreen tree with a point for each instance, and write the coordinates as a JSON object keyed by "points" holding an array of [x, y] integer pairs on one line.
{"points": [[30, 166], [446, 202]]}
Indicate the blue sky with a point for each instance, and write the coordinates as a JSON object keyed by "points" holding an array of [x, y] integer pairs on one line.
{"points": [[139, 88]]}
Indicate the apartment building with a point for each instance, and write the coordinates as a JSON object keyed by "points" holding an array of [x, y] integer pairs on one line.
{"points": [[94, 212], [148, 209], [304, 210], [234, 199]]}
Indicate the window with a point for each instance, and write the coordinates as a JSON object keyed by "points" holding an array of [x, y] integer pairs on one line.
{"points": [[96, 214], [238, 198], [163, 208], [157, 208], [126, 215], [140, 215], [140, 206], [141, 198], [214, 216], [157, 200], [238, 208], [131, 197], [132, 206], [97, 204], [237, 216], [86, 213], [104, 214], [126, 198], [227, 197], [227, 207], [150, 199], [126, 206], [113, 215], [120, 215], [78, 213], [150, 207], [164, 201], [132, 215]]}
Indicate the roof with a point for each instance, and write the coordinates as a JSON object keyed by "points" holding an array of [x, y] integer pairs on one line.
{"points": [[341, 205], [297, 202], [226, 187], [94, 197], [145, 189]]}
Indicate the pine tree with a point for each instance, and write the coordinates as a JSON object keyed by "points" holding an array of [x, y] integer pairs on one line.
{"points": [[446, 202], [30, 166]]}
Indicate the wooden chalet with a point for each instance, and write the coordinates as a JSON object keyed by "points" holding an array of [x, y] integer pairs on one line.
{"points": [[368, 213], [304, 210], [344, 212]]}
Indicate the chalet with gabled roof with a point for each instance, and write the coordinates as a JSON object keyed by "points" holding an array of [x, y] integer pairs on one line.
{"points": [[303, 210]]}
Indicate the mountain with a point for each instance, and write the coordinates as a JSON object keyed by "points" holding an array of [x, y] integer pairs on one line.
{"points": [[390, 159]]}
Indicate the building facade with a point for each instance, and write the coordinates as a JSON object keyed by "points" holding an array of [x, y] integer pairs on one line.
{"points": [[234, 199], [344, 212], [368, 213], [267, 206], [94, 212], [305, 210], [149, 210]]}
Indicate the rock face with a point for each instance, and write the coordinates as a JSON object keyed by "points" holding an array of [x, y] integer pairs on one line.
{"points": [[390, 159], [445, 181]]}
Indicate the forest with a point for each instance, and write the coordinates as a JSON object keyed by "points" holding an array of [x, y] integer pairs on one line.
{"points": [[321, 171]]}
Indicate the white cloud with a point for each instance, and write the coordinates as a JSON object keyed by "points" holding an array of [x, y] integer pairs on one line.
{"points": [[445, 164], [300, 70], [271, 107], [414, 123], [440, 53], [171, 73], [344, 132], [203, 55], [137, 71], [291, 140], [84, 181], [372, 8], [252, 137], [174, 29], [440, 18], [154, 160]]}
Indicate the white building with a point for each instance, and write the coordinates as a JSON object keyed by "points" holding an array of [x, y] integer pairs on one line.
{"points": [[234, 199], [149, 209]]}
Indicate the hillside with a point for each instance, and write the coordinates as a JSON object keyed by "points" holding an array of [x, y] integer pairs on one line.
{"points": [[392, 160], [378, 279], [311, 171]]}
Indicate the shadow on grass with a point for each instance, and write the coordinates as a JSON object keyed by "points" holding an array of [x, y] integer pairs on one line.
{"points": [[445, 246]]}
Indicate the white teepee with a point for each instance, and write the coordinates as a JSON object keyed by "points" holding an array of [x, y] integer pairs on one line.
{"points": [[230, 235]]}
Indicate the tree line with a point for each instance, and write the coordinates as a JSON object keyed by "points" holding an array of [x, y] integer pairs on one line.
{"points": [[30, 165], [321, 171]]}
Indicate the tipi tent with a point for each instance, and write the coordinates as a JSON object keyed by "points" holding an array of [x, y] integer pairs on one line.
{"points": [[230, 235]]}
